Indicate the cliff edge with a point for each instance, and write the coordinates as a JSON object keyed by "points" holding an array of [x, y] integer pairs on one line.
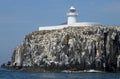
{"points": [[71, 48]]}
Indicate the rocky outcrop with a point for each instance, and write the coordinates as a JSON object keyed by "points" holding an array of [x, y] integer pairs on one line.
{"points": [[72, 48]]}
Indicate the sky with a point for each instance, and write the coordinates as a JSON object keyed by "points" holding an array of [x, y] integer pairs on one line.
{"points": [[20, 17]]}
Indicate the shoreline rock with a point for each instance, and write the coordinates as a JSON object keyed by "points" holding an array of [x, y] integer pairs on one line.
{"points": [[72, 48], [38, 69]]}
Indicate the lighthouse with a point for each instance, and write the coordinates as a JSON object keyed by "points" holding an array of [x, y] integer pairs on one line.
{"points": [[72, 16], [71, 21]]}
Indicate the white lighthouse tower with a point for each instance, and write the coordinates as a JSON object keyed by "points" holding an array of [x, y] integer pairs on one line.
{"points": [[72, 21], [72, 16]]}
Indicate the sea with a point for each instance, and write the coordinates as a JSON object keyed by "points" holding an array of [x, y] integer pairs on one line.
{"points": [[11, 74]]}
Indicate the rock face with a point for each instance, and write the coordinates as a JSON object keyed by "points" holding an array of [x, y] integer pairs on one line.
{"points": [[72, 48]]}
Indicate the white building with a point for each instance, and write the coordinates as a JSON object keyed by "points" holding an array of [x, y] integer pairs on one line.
{"points": [[72, 21]]}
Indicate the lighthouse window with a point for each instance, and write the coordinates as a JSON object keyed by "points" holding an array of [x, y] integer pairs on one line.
{"points": [[72, 10]]}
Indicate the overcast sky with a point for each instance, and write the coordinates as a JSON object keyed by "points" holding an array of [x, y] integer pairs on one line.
{"points": [[20, 17]]}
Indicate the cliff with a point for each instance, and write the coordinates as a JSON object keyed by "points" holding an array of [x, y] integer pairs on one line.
{"points": [[72, 48]]}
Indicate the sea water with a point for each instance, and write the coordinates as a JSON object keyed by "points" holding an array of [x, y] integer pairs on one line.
{"points": [[10, 74]]}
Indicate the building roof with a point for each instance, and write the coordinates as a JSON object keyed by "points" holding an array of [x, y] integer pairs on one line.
{"points": [[72, 8]]}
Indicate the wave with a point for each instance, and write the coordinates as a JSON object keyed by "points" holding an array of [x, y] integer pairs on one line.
{"points": [[91, 71]]}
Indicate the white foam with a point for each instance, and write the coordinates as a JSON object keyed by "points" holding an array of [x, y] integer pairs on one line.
{"points": [[91, 71]]}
